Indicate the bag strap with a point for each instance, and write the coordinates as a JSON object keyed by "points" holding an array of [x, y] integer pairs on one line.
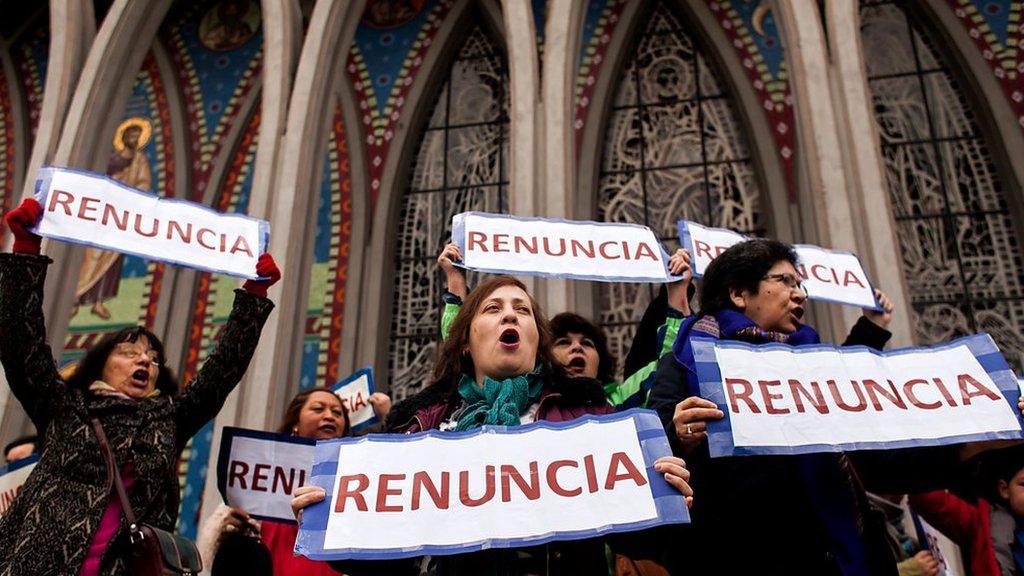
{"points": [[112, 469]]}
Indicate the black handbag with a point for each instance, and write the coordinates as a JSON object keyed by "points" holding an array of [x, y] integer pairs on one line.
{"points": [[153, 552]]}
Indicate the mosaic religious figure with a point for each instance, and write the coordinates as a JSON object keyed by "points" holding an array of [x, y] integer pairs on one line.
{"points": [[229, 24], [101, 270], [390, 13]]}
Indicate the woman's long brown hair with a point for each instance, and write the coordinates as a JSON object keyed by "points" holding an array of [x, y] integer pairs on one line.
{"points": [[453, 362]]}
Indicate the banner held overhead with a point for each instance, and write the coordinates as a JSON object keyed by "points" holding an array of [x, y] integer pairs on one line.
{"points": [[93, 210]]}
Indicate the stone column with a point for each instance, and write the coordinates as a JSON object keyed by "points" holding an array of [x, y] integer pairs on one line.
{"points": [[71, 129], [825, 172], [282, 30], [557, 159], [878, 244], [288, 199]]}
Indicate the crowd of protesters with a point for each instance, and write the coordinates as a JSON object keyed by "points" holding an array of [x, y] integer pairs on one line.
{"points": [[120, 420]]}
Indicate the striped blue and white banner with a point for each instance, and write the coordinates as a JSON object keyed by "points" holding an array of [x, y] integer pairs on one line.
{"points": [[781, 399], [437, 493]]}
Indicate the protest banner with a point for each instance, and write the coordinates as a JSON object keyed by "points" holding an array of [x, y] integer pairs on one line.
{"points": [[258, 471], [12, 478], [93, 210], [781, 399], [945, 551], [354, 392], [705, 243], [437, 493], [828, 275], [584, 250]]}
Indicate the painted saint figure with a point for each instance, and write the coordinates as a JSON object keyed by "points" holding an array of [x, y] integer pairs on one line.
{"points": [[229, 24], [101, 270]]}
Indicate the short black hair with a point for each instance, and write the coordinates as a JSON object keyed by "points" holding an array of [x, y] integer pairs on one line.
{"points": [[567, 322], [1004, 463], [90, 368], [22, 440], [741, 267]]}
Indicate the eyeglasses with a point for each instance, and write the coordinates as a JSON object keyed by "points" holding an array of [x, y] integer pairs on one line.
{"points": [[791, 281], [134, 354]]}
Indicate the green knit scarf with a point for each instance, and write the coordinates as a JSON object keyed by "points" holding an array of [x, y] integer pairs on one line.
{"points": [[499, 403]]}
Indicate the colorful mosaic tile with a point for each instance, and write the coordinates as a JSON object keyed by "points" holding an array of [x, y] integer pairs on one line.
{"points": [[7, 151], [382, 65], [140, 281], [213, 305], [599, 24], [326, 309], [997, 30], [214, 78], [750, 27], [30, 52]]}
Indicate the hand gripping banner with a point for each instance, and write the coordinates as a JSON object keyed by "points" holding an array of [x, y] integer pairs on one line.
{"points": [[93, 210], [781, 399], [829, 275], [12, 478], [258, 471], [552, 248], [437, 493]]}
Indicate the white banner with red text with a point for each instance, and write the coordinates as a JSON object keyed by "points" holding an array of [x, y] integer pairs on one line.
{"points": [[829, 275], [12, 478], [437, 493], [781, 399], [945, 551], [354, 392], [258, 471], [553, 248], [94, 210]]}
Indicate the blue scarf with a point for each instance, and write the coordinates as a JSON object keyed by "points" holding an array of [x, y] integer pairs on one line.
{"points": [[822, 474], [497, 403]]}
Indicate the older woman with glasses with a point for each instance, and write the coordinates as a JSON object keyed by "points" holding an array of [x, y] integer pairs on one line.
{"points": [[67, 518], [805, 514]]}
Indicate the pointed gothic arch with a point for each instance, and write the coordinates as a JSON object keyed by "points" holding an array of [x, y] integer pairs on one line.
{"points": [[953, 197], [682, 114], [458, 162]]}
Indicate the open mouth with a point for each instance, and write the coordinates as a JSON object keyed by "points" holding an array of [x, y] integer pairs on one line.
{"points": [[798, 312], [328, 429], [140, 377], [577, 364], [509, 338]]}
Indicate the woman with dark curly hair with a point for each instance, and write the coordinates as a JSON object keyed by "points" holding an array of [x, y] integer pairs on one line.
{"points": [[67, 518], [803, 514]]}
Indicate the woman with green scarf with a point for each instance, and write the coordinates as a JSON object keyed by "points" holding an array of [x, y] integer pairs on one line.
{"points": [[582, 346], [496, 367]]}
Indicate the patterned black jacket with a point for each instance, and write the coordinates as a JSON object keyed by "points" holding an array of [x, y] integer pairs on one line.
{"points": [[48, 528]]}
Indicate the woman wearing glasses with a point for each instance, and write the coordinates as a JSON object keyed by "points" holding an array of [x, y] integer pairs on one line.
{"points": [[67, 519], [804, 514]]}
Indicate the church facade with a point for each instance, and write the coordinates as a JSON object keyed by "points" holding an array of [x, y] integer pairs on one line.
{"points": [[894, 129]]}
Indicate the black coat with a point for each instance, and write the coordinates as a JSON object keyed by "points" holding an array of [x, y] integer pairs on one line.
{"points": [[754, 515], [48, 528]]}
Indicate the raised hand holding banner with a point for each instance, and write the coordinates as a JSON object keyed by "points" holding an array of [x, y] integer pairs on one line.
{"points": [[829, 275], [93, 210], [583, 250]]}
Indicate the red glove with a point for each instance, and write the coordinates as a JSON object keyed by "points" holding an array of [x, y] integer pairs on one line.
{"points": [[19, 220], [267, 269]]}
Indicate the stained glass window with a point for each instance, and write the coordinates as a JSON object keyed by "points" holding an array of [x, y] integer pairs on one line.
{"points": [[674, 149], [461, 165], [961, 252]]}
